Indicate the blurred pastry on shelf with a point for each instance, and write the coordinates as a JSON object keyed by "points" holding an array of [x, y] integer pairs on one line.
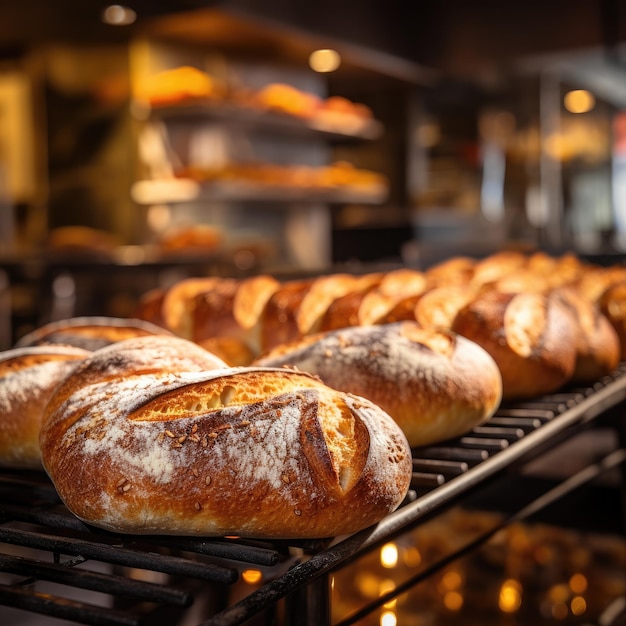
{"points": [[342, 173], [340, 114], [333, 176], [194, 240], [284, 98], [82, 241], [180, 85]]}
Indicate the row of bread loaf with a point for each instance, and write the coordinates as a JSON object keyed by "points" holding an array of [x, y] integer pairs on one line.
{"points": [[144, 432], [435, 380], [547, 321]]}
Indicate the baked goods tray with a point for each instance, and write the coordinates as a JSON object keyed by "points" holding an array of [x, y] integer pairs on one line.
{"points": [[54, 565]]}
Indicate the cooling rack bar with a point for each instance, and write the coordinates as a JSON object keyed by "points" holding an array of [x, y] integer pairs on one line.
{"points": [[119, 555], [94, 581], [62, 608]]}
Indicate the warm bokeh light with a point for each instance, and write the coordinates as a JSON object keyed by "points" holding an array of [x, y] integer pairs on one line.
{"points": [[388, 618], [324, 60], [118, 15], [558, 593], [251, 576], [578, 605], [453, 601], [510, 598], [560, 611], [411, 556], [389, 555], [451, 580], [368, 584], [578, 583], [579, 101]]}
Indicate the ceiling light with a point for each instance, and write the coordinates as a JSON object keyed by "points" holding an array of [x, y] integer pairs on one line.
{"points": [[118, 15], [579, 101], [324, 60]]}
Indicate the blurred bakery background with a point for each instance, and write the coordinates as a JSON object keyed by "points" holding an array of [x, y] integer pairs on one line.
{"points": [[140, 144]]}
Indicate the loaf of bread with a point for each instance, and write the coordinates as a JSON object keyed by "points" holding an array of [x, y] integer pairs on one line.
{"points": [[598, 346], [226, 316], [135, 444], [374, 298], [612, 303], [349, 309], [435, 384], [89, 332], [531, 336], [28, 376], [177, 303], [297, 307]]}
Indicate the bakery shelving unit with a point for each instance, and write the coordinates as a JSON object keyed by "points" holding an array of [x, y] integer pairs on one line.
{"points": [[228, 131]]}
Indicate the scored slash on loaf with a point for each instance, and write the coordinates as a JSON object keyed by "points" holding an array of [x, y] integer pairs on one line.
{"points": [[136, 445]]}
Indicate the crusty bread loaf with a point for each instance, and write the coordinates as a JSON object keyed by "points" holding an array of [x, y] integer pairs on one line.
{"points": [[28, 376], [227, 316], [178, 300], [597, 343], [374, 302], [453, 271], [596, 280], [496, 265], [347, 309], [150, 306], [438, 307], [136, 444], [89, 332], [278, 321], [436, 385], [612, 303], [297, 307], [434, 308], [532, 338]]}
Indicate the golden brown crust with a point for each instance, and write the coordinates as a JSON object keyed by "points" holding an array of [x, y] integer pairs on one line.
{"points": [[345, 310], [453, 271], [435, 385], [28, 376], [532, 338], [89, 332], [228, 315], [278, 321], [597, 342], [178, 300], [496, 266], [255, 452], [612, 304], [150, 307], [438, 307]]}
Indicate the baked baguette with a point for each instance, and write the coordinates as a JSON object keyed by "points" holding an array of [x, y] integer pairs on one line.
{"points": [[598, 347], [612, 303], [137, 445], [89, 332], [531, 336], [28, 376], [225, 318], [435, 385]]}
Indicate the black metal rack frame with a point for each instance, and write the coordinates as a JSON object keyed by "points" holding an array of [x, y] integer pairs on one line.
{"points": [[42, 541]]}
